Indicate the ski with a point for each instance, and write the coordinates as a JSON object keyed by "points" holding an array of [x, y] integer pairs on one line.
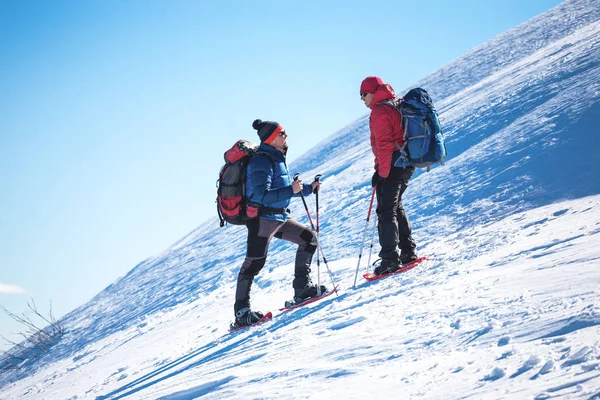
{"points": [[266, 317], [289, 305], [406, 267]]}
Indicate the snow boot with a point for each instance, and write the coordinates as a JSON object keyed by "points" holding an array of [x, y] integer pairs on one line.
{"points": [[407, 258], [307, 292], [386, 267], [245, 317]]}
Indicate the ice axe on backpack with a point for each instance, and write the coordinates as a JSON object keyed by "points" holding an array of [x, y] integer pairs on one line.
{"points": [[319, 249]]}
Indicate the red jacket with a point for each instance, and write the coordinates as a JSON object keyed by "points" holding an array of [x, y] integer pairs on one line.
{"points": [[386, 129]]}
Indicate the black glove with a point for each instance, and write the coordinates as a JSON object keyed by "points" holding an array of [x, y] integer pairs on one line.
{"points": [[376, 179]]}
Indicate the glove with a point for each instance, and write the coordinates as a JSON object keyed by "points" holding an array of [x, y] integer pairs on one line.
{"points": [[376, 180], [315, 186]]}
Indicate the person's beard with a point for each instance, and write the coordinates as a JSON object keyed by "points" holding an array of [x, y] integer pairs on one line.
{"points": [[285, 148]]}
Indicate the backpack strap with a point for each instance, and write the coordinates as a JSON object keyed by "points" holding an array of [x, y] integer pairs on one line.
{"points": [[221, 219], [266, 155], [272, 211], [403, 122]]}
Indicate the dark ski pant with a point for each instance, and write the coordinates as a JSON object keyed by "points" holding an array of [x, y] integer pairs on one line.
{"points": [[394, 228], [260, 233]]}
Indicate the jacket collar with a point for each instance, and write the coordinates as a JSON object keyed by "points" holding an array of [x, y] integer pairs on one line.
{"points": [[272, 151], [384, 92]]}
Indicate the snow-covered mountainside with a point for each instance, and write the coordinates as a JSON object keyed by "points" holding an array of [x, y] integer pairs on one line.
{"points": [[507, 307]]}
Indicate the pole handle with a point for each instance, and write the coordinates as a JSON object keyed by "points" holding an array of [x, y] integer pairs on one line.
{"points": [[317, 179]]}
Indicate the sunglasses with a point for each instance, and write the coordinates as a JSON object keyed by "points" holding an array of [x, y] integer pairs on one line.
{"points": [[283, 133], [363, 95]]}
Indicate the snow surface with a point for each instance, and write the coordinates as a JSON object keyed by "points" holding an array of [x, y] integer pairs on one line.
{"points": [[507, 307]]}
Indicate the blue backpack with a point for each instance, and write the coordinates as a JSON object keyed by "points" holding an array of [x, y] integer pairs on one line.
{"points": [[424, 143]]}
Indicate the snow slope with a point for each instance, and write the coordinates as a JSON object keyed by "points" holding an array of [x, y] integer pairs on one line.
{"points": [[506, 308]]}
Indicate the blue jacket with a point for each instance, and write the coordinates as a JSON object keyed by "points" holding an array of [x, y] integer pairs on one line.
{"points": [[270, 184]]}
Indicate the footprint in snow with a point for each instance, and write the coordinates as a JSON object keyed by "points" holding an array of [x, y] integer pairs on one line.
{"points": [[528, 365], [580, 357], [480, 333], [346, 324], [496, 374], [555, 340], [546, 368], [505, 355], [503, 341]]}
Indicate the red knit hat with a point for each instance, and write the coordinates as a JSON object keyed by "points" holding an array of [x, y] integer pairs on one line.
{"points": [[370, 84]]}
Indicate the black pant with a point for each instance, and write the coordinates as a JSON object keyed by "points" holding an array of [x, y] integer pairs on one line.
{"points": [[260, 233], [394, 227]]}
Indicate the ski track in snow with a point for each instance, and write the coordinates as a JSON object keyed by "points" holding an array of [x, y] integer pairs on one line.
{"points": [[506, 307]]}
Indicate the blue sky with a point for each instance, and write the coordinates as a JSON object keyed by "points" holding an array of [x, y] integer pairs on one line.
{"points": [[114, 115]]}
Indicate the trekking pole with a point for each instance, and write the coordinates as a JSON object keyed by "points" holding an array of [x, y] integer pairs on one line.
{"points": [[372, 239], [319, 249], [362, 243], [296, 176], [316, 191]]}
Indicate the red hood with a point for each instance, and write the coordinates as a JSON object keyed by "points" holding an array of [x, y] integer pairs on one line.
{"points": [[384, 92]]}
